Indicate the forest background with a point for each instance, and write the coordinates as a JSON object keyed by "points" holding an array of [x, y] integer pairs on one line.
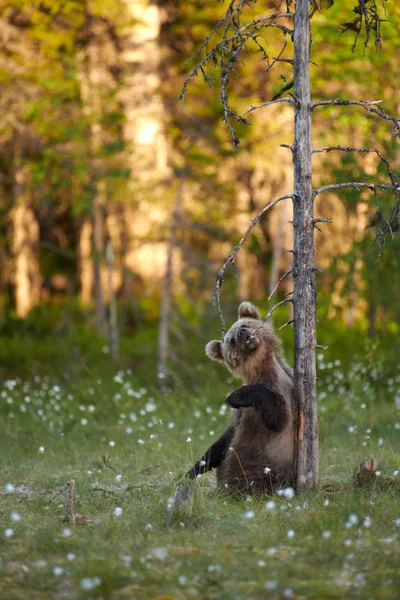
{"points": [[118, 206]]}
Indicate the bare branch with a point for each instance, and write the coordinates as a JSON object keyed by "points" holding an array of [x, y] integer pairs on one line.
{"points": [[285, 324], [267, 316], [357, 185], [370, 106], [257, 106], [329, 220], [277, 285], [322, 347], [231, 258], [276, 59], [393, 177]]}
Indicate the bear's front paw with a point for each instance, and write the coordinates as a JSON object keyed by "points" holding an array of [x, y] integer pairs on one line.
{"points": [[239, 399]]}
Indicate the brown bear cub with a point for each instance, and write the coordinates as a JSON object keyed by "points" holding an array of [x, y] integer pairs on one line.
{"points": [[255, 453]]}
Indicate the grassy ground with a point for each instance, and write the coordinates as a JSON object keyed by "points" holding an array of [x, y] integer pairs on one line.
{"points": [[127, 447]]}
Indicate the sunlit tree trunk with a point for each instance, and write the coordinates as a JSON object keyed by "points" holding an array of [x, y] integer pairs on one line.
{"points": [[85, 257], [25, 246], [303, 260]]}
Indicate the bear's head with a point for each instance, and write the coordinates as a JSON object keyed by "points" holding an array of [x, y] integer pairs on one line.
{"points": [[249, 338]]}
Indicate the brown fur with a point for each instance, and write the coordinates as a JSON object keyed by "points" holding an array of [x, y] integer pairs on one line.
{"points": [[255, 446]]}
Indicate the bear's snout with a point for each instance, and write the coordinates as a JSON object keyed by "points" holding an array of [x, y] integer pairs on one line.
{"points": [[243, 334]]}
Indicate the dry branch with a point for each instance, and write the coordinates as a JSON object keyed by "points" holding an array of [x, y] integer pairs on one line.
{"points": [[370, 106], [357, 185], [256, 107], [277, 285], [393, 177], [231, 258]]}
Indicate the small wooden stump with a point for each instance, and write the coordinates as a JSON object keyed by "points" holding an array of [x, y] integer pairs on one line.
{"points": [[70, 516], [182, 502], [368, 469]]}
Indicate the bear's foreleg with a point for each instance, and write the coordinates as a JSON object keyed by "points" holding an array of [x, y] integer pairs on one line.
{"points": [[214, 455], [272, 407]]}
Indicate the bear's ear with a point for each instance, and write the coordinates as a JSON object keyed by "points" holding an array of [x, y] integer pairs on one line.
{"points": [[214, 350], [247, 309]]}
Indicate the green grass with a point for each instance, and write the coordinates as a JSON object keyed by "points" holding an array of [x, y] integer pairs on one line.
{"points": [[127, 446]]}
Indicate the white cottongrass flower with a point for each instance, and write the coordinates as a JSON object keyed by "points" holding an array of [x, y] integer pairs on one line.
{"points": [[41, 449], [118, 477], [58, 571], [352, 520], [67, 532], [291, 534], [160, 553], [71, 556], [111, 443], [182, 580], [214, 568], [267, 470], [287, 493], [271, 585], [88, 583], [9, 532], [249, 514], [141, 442], [367, 522], [270, 505], [9, 488], [15, 517], [326, 534], [118, 511], [84, 421], [188, 439]]}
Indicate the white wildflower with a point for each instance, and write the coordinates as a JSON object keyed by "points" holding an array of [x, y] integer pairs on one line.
{"points": [[15, 517], [160, 553], [118, 511]]}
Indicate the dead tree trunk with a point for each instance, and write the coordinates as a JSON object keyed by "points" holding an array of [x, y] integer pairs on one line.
{"points": [[306, 458], [166, 293]]}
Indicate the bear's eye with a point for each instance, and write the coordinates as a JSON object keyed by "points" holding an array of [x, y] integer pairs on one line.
{"points": [[233, 341]]}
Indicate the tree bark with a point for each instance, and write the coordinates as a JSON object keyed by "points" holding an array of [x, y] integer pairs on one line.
{"points": [[306, 458], [163, 345]]}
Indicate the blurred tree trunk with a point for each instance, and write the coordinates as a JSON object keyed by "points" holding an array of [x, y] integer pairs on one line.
{"points": [[114, 335], [94, 77], [25, 245], [85, 254], [277, 247], [163, 345], [306, 458]]}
